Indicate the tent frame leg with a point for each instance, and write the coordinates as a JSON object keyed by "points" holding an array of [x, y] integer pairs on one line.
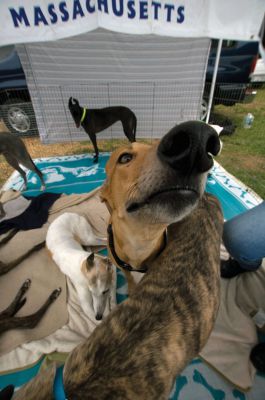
{"points": [[216, 65]]}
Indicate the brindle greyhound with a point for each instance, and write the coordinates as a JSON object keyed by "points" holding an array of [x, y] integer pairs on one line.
{"points": [[15, 153], [140, 348], [134, 243], [8, 320], [96, 120]]}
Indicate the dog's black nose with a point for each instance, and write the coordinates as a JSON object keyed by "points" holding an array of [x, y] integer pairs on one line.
{"points": [[99, 317], [189, 147]]}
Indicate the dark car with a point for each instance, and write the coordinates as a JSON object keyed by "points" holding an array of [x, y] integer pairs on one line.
{"points": [[15, 104], [237, 62]]}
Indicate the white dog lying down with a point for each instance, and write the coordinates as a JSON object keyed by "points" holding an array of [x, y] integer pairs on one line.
{"points": [[91, 274]]}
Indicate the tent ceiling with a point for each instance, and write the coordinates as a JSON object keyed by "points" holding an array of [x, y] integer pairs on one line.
{"points": [[39, 20]]}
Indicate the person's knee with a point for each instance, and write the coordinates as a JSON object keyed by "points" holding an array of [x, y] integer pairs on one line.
{"points": [[238, 247], [233, 238]]}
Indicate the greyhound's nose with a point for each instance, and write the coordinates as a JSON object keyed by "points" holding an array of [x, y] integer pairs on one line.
{"points": [[189, 147], [99, 317]]}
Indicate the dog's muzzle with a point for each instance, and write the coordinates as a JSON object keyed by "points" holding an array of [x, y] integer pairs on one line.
{"points": [[173, 194], [174, 179], [189, 147]]}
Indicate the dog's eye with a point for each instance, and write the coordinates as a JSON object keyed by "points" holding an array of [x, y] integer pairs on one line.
{"points": [[105, 291], [125, 158]]}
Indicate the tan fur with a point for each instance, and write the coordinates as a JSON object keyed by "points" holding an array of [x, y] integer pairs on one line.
{"points": [[135, 242], [42, 386]]}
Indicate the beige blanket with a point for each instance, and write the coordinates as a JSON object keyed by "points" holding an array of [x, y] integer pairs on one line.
{"points": [[44, 274], [229, 345], [64, 340], [235, 331]]}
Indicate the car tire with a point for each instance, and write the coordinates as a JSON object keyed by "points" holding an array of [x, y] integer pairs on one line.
{"points": [[19, 117]]}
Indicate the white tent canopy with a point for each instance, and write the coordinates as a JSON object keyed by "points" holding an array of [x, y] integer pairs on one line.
{"points": [[40, 20], [80, 23]]}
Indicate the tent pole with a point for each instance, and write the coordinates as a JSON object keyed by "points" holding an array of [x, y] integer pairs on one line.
{"points": [[216, 64]]}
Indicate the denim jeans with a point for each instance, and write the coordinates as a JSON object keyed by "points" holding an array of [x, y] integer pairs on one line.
{"points": [[244, 237]]}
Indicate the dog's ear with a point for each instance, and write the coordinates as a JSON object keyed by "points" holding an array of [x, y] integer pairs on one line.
{"points": [[90, 261], [72, 101], [105, 195]]}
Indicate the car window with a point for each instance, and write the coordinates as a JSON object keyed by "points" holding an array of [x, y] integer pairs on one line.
{"points": [[227, 44], [5, 51]]}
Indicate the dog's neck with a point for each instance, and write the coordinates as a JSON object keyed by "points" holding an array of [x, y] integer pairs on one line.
{"points": [[84, 112], [137, 246]]}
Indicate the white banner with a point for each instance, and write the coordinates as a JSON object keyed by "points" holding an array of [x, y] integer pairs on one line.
{"points": [[23, 21]]}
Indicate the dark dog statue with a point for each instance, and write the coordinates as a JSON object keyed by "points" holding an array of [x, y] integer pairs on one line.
{"points": [[8, 318], [15, 153], [96, 120]]}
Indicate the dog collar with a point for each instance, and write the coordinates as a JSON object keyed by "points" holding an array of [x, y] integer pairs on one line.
{"points": [[120, 262], [83, 115], [58, 388]]}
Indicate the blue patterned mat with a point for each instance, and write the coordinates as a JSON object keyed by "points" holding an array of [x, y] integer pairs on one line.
{"points": [[78, 174]]}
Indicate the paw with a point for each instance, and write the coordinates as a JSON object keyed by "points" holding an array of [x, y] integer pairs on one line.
{"points": [[26, 285], [56, 293], [95, 160], [2, 211]]}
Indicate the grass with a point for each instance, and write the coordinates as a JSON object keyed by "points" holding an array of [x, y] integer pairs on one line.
{"points": [[243, 153]]}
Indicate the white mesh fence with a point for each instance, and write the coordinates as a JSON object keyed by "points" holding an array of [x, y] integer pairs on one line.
{"points": [[161, 79]]}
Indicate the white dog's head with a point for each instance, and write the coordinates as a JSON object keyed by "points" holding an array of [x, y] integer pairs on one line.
{"points": [[98, 272]]}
